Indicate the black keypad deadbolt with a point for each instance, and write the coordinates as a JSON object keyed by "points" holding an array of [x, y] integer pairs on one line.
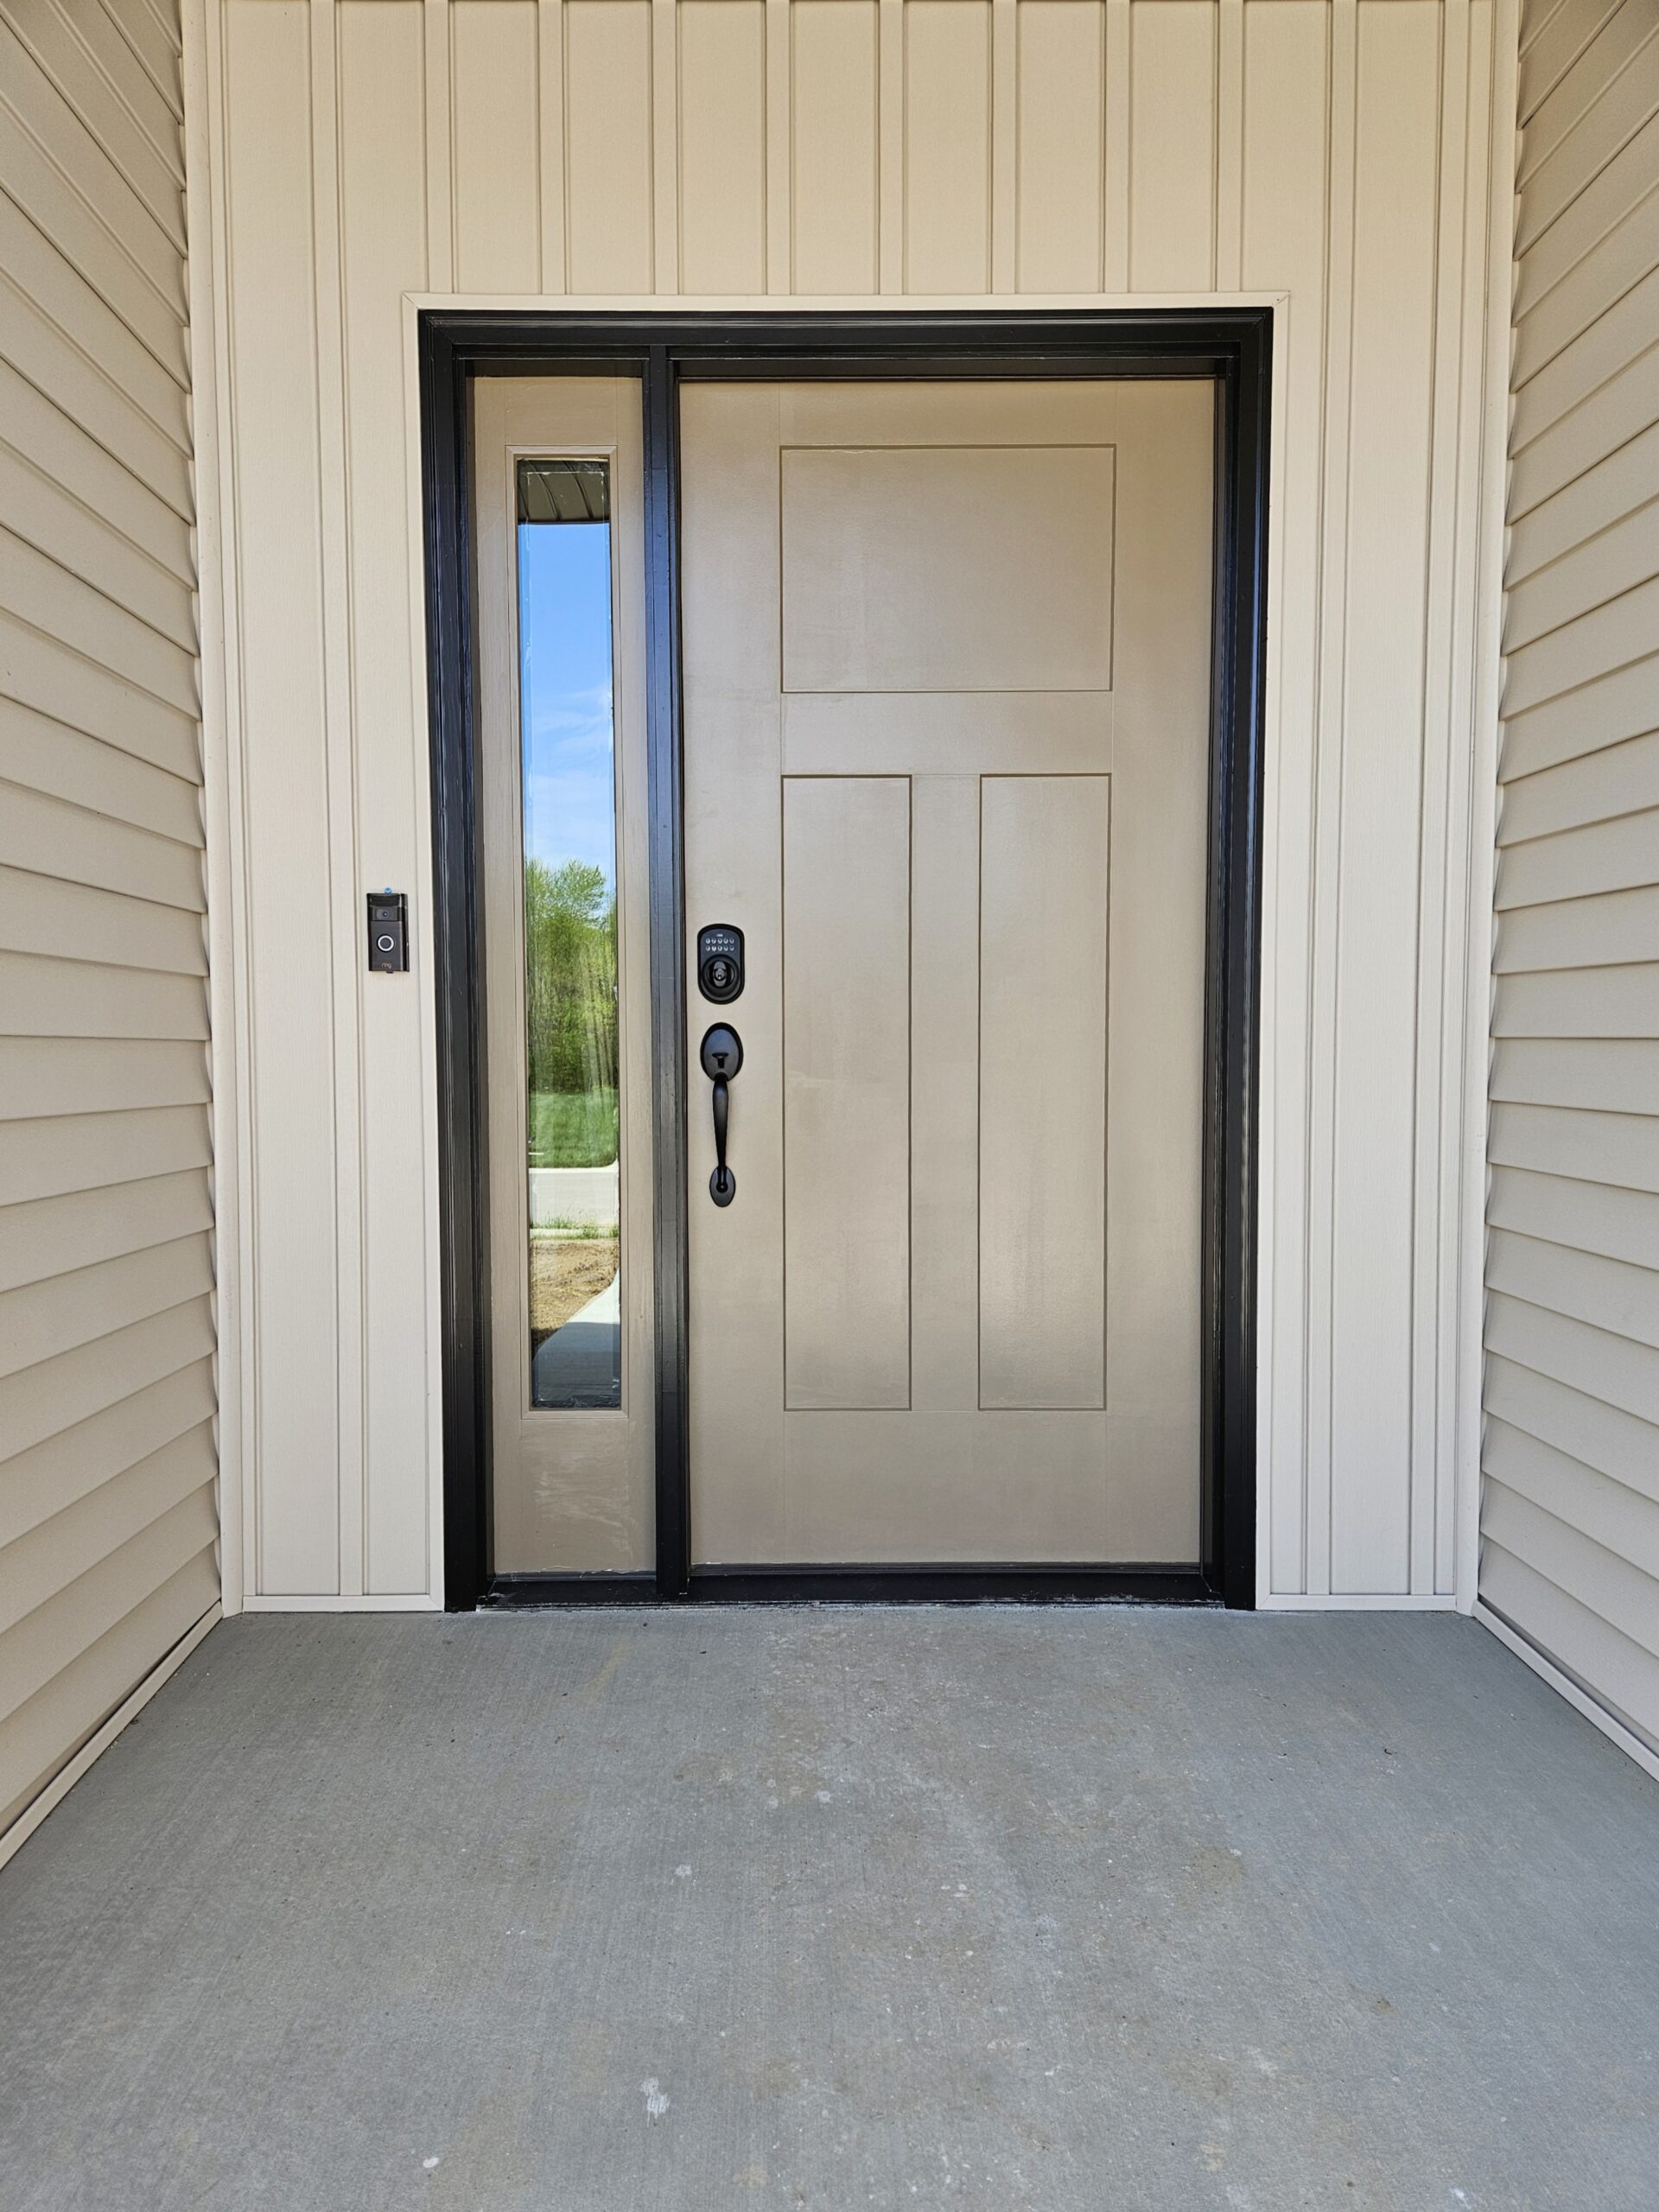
{"points": [[720, 962], [388, 932]]}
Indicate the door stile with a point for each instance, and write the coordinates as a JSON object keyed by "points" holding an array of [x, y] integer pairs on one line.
{"points": [[667, 848]]}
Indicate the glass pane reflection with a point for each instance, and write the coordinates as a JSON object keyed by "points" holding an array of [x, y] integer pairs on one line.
{"points": [[571, 977]]}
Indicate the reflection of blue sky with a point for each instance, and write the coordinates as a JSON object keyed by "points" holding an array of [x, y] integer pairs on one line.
{"points": [[564, 631]]}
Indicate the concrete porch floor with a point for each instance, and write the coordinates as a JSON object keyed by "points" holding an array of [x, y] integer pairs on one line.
{"points": [[1014, 1910]]}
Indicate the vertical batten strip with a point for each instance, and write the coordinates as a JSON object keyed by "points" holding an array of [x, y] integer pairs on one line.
{"points": [[1489, 186], [1005, 145], [421, 863], [1379, 1272], [1324, 919], [890, 124], [1114, 205], [228, 971], [294, 1496], [779, 144], [236, 726], [665, 146], [1286, 71], [440, 152], [340, 747], [550, 58], [1229, 145], [383, 224], [1445, 613]]}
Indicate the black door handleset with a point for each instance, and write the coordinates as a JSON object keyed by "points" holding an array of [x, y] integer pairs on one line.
{"points": [[720, 978], [721, 1054]]}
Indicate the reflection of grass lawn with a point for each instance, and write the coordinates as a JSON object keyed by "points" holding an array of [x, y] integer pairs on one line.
{"points": [[566, 1270], [572, 1128]]}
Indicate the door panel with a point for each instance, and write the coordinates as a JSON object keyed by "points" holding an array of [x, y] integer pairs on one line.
{"points": [[909, 568], [946, 655], [1045, 857], [846, 987]]}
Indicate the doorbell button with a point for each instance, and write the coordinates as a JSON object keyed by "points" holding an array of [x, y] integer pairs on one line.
{"points": [[388, 932]]}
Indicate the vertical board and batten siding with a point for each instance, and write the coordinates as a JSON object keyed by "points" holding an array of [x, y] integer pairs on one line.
{"points": [[1333, 153], [1570, 1504], [107, 1521]]}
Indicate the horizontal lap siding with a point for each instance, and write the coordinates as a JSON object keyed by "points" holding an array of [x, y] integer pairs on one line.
{"points": [[107, 1460], [1570, 1504]]}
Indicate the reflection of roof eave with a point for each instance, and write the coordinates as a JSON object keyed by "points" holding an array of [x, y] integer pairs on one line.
{"points": [[564, 490]]}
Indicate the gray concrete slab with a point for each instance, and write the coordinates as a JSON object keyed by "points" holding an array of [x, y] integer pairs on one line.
{"points": [[1012, 1909]]}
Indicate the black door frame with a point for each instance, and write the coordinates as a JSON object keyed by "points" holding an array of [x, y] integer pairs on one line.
{"points": [[1234, 346]]}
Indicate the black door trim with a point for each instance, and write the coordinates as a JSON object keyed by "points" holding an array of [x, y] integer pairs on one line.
{"points": [[1235, 346], [859, 1585]]}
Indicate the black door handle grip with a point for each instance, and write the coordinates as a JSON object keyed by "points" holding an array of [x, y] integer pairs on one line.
{"points": [[724, 1182], [722, 1055]]}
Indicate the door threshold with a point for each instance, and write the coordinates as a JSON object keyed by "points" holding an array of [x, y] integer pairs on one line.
{"points": [[864, 1586], [527, 1592], [954, 1586]]}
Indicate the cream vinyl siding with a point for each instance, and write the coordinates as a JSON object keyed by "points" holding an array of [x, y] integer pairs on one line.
{"points": [[1330, 155], [107, 1524], [1570, 1509]]}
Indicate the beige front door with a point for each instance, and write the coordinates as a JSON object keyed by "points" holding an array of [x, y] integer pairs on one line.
{"points": [[946, 663]]}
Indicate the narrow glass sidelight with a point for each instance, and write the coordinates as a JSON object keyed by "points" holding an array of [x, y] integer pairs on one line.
{"points": [[569, 755]]}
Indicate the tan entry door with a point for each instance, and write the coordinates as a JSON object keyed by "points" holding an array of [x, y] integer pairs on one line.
{"points": [[946, 653]]}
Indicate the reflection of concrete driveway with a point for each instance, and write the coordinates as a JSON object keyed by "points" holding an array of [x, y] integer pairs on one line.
{"points": [[582, 1194], [579, 1363]]}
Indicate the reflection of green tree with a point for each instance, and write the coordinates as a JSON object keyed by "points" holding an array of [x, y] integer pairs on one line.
{"points": [[569, 977]]}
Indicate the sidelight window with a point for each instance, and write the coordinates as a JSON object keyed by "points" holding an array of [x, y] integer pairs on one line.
{"points": [[568, 755]]}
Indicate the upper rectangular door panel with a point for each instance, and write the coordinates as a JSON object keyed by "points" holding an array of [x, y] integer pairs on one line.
{"points": [[940, 568]]}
